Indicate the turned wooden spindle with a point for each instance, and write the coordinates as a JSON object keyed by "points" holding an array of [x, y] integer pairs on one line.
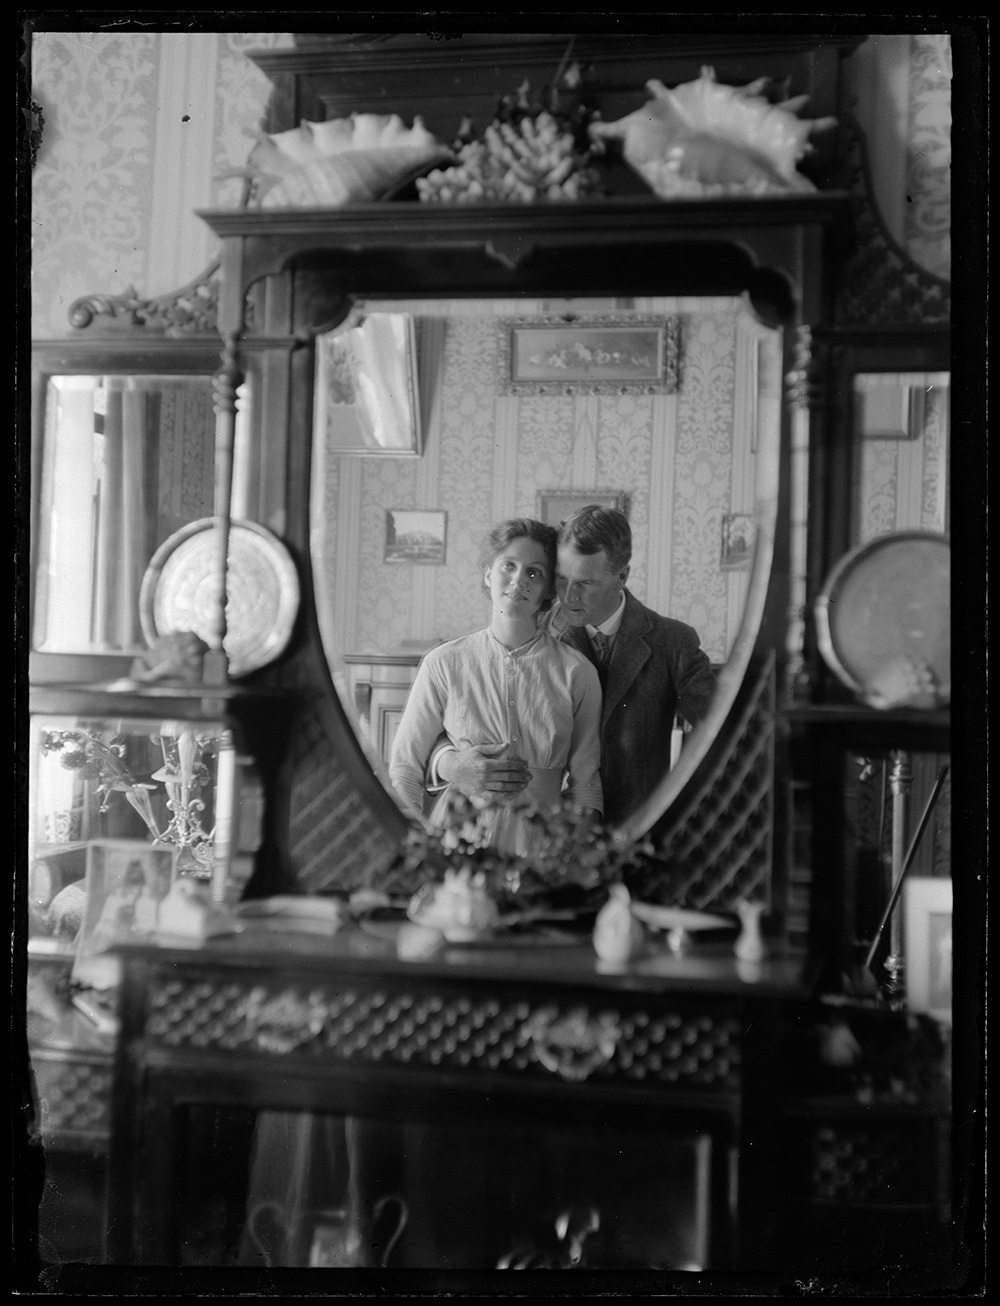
{"points": [[226, 384]]}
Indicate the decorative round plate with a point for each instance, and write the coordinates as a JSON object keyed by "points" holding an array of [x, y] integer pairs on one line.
{"points": [[262, 591], [678, 918], [884, 615]]}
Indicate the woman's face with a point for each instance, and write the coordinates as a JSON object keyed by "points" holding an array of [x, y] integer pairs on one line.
{"points": [[519, 578]]}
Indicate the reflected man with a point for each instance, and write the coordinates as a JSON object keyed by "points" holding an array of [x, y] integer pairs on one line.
{"points": [[652, 668]]}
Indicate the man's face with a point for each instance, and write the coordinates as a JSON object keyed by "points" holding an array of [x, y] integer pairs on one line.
{"points": [[589, 591]]}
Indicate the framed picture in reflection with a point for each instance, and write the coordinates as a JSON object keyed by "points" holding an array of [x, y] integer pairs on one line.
{"points": [[607, 355], [365, 396], [415, 535], [554, 506], [737, 541], [125, 883], [927, 922]]}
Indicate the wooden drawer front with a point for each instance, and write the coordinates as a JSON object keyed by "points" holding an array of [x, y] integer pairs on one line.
{"points": [[681, 1048], [73, 1097]]}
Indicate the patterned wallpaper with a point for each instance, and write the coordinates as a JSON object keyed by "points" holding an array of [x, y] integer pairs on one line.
{"points": [[900, 92], [141, 128], [682, 461]]}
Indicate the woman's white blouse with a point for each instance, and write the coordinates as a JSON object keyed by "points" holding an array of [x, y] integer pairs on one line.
{"points": [[540, 702]]}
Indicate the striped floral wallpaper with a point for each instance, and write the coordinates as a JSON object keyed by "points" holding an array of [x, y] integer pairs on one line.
{"points": [[140, 129]]}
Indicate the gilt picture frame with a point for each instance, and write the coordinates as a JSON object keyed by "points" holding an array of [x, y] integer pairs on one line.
{"points": [[606, 355], [554, 506]]}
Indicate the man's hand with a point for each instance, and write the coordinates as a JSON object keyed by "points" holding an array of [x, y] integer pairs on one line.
{"points": [[482, 773]]}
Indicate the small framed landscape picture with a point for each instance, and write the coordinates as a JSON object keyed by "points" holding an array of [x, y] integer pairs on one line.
{"points": [[415, 535], [125, 883], [554, 506], [927, 920]]}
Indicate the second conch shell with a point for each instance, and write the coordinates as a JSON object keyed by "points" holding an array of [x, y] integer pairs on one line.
{"points": [[343, 160], [905, 682], [704, 138]]}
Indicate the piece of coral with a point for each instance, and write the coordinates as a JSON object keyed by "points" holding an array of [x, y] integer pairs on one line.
{"points": [[534, 158], [703, 139], [344, 160]]}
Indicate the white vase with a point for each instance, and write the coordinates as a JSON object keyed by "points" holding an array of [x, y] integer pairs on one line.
{"points": [[750, 944]]}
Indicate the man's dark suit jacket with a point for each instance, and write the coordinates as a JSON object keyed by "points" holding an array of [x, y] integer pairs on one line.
{"points": [[657, 668]]}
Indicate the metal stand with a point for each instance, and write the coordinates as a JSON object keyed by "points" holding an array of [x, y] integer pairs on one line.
{"points": [[900, 782]]}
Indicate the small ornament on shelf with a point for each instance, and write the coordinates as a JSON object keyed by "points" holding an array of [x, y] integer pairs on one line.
{"points": [[618, 936], [176, 656], [750, 946]]}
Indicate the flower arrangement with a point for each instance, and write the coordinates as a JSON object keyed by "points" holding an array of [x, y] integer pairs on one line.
{"points": [[98, 759], [575, 858]]}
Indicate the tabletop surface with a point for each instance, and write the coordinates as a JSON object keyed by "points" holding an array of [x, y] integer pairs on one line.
{"points": [[556, 957]]}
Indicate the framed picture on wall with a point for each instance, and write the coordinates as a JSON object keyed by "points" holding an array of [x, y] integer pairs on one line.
{"points": [[365, 396], [608, 355], [927, 912], [737, 541], [555, 506], [125, 883], [415, 535]]}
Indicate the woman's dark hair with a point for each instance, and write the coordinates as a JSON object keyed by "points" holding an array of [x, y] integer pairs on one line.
{"points": [[594, 528], [516, 528]]}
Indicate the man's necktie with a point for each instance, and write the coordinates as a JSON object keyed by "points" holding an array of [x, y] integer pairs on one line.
{"points": [[602, 647]]}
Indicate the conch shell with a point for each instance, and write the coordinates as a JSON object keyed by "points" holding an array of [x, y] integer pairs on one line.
{"points": [[703, 138], [336, 162]]}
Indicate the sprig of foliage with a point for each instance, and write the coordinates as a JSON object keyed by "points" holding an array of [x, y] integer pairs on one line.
{"points": [[94, 758]]}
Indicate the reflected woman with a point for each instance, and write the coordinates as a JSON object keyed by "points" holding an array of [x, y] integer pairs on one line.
{"points": [[511, 691]]}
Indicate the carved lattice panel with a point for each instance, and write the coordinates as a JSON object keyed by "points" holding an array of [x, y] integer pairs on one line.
{"points": [[723, 850], [498, 1032], [892, 1164], [73, 1097], [334, 842]]}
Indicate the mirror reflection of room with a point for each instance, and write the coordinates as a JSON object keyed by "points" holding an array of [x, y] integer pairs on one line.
{"points": [[686, 457], [128, 461]]}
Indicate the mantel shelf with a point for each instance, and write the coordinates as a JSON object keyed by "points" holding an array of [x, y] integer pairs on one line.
{"points": [[579, 221], [717, 246], [867, 727], [184, 701]]}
